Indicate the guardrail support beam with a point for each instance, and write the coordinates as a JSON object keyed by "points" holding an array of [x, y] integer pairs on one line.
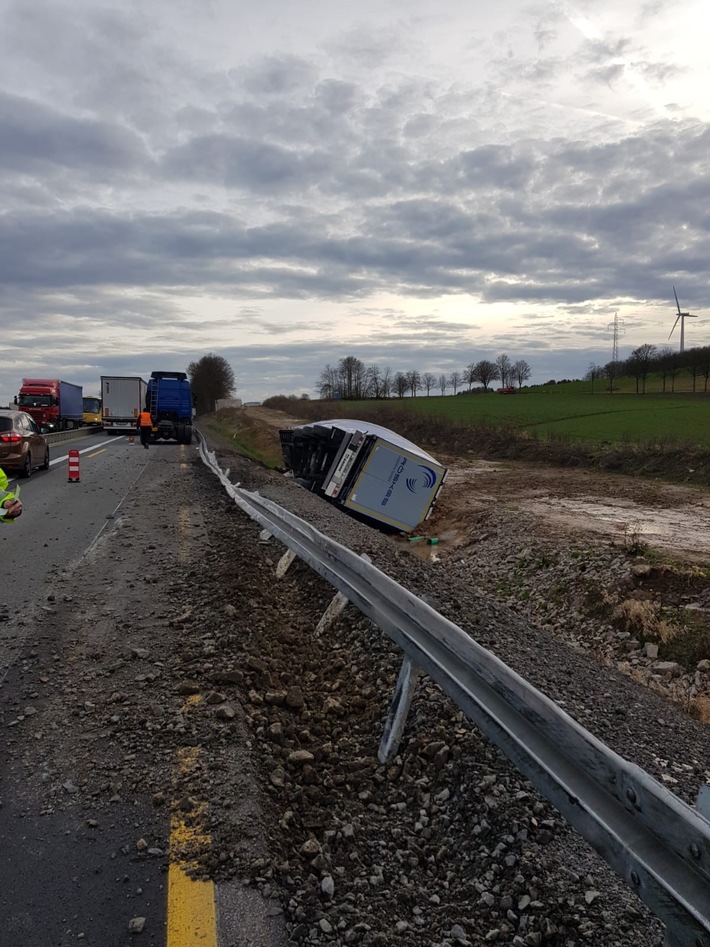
{"points": [[396, 721], [284, 562], [334, 609]]}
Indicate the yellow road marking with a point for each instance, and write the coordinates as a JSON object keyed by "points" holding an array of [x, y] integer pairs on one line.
{"points": [[192, 915], [97, 452]]}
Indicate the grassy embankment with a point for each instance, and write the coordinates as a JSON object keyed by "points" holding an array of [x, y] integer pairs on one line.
{"points": [[247, 437], [661, 435]]}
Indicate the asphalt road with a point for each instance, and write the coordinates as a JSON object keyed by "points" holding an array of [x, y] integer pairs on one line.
{"points": [[63, 880], [60, 520]]}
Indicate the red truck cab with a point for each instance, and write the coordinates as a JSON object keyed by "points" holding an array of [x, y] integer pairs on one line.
{"points": [[52, 404]]}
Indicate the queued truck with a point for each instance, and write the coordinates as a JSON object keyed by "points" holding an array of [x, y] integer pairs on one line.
{"points": [[366, 470], [53, 405], [169, 401], [91, 406], [122, 400]]}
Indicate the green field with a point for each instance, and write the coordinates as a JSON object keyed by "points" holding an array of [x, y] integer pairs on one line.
{"points": [[562, 413]]}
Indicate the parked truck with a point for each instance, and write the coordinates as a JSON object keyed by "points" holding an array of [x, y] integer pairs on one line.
{"points": [[122, 398], [54, 405], [92, 411], [368, 471], [169, 400]]}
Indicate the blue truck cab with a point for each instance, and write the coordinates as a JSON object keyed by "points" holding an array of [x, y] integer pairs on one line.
{"points": [[169, 401]]}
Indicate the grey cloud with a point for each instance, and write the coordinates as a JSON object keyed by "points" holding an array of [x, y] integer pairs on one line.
{"points": [[365, 46], [36, 138], [241, 162], [277, 75]]}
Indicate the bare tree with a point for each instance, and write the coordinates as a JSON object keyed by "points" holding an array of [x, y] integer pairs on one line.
{"points": [[640, 361], [443, 384], [485, 372], [211, 378], [327, 384], [612, 370], [428, 380], [704, 353], [670, 364], [415, 382], [694, 364], [386, 382], [504, 370], [455, 380], [374, 381], [469, 374], [593, 373], [520, 371], [400, 384], [352, 377]]}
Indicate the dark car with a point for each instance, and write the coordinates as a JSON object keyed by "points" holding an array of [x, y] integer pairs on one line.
{"points": [[22, 446]]}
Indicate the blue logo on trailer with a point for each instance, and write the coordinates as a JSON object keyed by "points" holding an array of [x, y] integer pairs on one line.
{"points": [[428, 477]]}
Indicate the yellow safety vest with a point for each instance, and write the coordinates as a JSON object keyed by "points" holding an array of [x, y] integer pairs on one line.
{"points": [[5, 494]]}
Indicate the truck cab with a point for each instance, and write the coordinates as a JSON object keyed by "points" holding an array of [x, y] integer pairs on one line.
{"points": [[169, 401]]}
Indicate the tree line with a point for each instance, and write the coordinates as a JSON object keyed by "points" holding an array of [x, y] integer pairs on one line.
{"points": [[352, 380], [649, 359]]}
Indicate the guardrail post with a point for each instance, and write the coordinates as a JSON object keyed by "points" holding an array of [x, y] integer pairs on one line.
{"points": [[703, 802], [284, 562], [396, 721], [336, 607]]}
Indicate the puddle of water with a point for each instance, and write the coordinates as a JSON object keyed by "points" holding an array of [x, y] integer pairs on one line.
{"points": [[685, 529]]}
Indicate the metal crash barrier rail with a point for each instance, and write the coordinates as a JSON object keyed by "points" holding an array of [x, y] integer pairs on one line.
{"points": [[654, 841]]}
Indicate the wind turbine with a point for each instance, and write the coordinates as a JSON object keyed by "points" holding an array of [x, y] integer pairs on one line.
{"points": [[682, 316]]}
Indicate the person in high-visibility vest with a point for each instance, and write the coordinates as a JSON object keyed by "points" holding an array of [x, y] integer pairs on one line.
{"points": [[145, 422], [10, 505]]}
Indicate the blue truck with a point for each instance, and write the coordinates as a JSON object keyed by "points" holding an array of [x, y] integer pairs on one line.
{"points": [[169, 401]]}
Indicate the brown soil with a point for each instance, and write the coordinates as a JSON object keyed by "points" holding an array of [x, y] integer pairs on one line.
{"points": [[666, 524], [670, 519]]}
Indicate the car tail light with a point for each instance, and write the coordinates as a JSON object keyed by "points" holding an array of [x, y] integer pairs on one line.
{"points": [[10, 438]]}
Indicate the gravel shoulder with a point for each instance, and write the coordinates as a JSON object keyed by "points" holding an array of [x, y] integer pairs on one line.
{"points": [[197, 682]]}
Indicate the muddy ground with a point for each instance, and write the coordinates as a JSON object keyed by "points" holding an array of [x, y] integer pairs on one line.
{"points": [[553, 542]]}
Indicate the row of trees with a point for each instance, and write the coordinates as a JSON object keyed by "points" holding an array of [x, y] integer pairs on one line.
{"points": [[352, 380], [649, 359]]}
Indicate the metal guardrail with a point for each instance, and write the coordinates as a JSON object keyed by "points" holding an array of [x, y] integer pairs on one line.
{"points": [[654, 841], [58, 436]]}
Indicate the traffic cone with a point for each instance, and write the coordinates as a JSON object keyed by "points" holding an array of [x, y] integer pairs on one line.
{"points": [[131, 439], [74, 466]]}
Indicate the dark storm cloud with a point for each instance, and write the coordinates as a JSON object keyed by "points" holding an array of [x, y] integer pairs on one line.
{"points": [[37, 139]]}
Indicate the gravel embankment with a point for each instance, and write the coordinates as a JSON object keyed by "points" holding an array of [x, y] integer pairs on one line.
{"points": [[446, 846]]}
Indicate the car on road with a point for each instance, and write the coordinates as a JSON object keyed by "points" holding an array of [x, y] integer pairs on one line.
{"points": [[22, 445]]}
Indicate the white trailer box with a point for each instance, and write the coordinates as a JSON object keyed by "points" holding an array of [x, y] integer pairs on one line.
{"points": [[123, 399], [365, 469]]}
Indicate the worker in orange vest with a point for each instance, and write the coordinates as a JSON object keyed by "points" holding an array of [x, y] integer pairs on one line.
{"points": [[145, 422]]}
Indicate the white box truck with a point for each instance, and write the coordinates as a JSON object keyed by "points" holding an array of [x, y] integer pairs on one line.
{"points": [[123, 399], [366, 470]]}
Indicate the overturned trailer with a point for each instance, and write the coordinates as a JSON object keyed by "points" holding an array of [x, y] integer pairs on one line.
{"points": [[365, 469]]}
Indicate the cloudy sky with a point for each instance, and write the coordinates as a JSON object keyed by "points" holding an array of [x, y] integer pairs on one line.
{"points": [[284, 183]]}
